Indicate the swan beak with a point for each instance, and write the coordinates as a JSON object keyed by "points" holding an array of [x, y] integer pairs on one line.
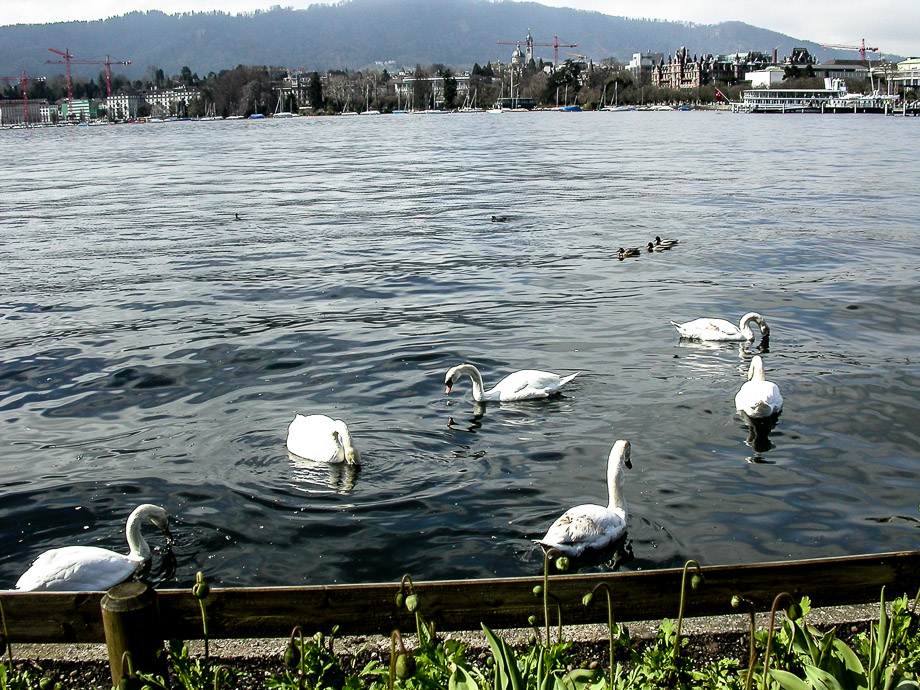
{"points": [[447, 389], [628, 463]]}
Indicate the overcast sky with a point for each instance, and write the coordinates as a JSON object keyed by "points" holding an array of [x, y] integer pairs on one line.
{"points": [[890, 25]]}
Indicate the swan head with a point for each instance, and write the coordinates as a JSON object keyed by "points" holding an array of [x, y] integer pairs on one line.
{"points": [[455, 373], [759, 320], [157, 515], [621, 452]]}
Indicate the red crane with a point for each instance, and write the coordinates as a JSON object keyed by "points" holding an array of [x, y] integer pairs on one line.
{"points": [[861, 48], [23, 82], [556, 45], [68, 60]]}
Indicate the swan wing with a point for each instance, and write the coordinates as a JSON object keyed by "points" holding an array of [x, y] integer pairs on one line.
{"points": [[709, 329], [77, 569], [527, 384], [310, 437], [583, 527]]}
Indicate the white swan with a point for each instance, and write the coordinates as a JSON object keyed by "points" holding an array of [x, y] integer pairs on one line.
{"points": [[722, 330], [758, 398], [526, 384], [322, 439], [90, 568], [592, 526]]}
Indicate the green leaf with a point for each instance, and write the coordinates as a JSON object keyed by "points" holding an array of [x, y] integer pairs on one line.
{"points": [[507, 674], [461, 680], [789, 681], [822, 680]]}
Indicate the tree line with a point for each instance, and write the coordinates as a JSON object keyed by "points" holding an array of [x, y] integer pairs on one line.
{"points": [[246, 90]]}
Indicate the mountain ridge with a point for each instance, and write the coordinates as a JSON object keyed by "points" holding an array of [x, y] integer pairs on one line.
{"points": [[359, 34]]}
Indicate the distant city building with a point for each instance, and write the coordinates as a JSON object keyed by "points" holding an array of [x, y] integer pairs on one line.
{"points": [[170, 102], [433, 86], [682, 71], [123, 106], [641, 66], [907, 74], [12, 112]]}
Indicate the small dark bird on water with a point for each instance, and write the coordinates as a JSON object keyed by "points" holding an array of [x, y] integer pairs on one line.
{"points": [[499, 219], [665, 243], [652, 247], [237, 216], [623, 253]]}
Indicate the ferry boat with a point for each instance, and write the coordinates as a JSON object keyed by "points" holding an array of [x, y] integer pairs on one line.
{"points": [[833, 98]]}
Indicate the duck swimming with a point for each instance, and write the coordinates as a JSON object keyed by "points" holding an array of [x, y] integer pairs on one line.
{"points": [[666, 242], [623, 253], [652, 247], [321, 439], [91, 568], [592, 526], [758, 398], [722, 330], [527, 384]]}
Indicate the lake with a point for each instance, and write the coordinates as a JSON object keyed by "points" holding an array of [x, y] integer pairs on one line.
{"points": [[154, 348]]}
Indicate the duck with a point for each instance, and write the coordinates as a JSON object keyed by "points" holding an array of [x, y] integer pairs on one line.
{"points": [[321, 439], [758, 398], [592, 526], [91, 568], [722, 330], [499, 219], [665, 242], [623, 253], [526, 384], [652, 247]]}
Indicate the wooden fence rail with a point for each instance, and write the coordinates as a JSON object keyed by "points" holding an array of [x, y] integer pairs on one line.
{"points": [[235, 613]]}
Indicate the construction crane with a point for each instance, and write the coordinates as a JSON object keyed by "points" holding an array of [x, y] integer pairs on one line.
{"points": [[68, 60], [862, 48], [556, 45], [24, 83]]}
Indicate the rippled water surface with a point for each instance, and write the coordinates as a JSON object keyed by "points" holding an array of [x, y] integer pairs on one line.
{"points": [[154, 348]]}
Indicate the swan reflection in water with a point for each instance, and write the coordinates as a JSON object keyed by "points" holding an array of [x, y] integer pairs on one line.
{"points": [[759, 435], [340, 477]]}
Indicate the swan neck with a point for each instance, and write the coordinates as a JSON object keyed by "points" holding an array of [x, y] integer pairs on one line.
{"points": [[615, 484], [476, 378], [137, 545]]}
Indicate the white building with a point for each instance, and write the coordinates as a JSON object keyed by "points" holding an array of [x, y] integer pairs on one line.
{"points": [[171, 102], [641, 66], [123, 106], [765, 78]]}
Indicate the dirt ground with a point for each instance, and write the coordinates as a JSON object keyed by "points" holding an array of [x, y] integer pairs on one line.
{"points": [[86, 666]]}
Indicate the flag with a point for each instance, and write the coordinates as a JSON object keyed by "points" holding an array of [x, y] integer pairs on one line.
{"points": [[720, 96]]}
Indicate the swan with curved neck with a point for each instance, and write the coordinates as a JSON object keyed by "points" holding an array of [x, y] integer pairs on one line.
{"points": [[758, 398], [592, 526], [321, 439], [90, 568], [527, 384], [722, 330]]}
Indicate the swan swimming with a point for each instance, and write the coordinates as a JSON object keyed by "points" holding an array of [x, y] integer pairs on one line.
{"points": [[758, 398], [91, 568], [527, 384], [722, 330], [321, 439], [592, 526]]}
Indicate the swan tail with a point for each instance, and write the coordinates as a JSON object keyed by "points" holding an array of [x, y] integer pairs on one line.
{"points": [[565, 379]]}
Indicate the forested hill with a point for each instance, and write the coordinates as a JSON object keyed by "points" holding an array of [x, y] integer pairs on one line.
{"points": [[357, 34]]}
